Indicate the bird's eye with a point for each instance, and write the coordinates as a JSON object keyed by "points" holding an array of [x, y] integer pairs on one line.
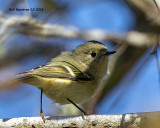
{"points": [[93, 54]]}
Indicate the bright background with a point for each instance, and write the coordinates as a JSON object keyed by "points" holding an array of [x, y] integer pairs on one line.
{"points": [[140, 93]]}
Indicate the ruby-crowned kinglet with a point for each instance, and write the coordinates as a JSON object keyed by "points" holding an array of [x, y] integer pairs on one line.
{"points": [[72, 76]]}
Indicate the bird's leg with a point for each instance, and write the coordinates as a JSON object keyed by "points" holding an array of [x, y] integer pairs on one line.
{"points": [[41, 111], [83, 112]]}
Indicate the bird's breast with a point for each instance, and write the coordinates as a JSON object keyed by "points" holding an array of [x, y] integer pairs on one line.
{"points": [[78, 91]]}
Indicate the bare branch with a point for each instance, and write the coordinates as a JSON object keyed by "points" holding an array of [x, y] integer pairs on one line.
{"points": [[30, 26], [148, 7], [136, 120]]}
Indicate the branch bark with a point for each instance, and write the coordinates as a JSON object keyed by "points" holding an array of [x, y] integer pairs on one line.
{"points": [[135, 120]]}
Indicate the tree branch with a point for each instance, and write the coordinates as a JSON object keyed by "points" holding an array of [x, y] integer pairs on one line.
{"points": [[29, 26], [136, 120]]}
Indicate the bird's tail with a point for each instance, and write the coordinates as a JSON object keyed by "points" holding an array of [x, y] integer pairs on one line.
{"points": [[12, 83]]}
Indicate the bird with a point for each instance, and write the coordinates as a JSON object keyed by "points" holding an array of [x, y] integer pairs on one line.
{"points": [[71, 77]]}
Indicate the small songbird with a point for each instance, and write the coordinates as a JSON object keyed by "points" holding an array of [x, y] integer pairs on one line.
{"points": [[72, 77]]}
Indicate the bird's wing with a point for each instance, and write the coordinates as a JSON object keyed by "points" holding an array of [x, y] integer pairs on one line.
{"points": [[59, 71]]}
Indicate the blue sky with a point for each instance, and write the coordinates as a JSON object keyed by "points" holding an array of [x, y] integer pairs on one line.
{"points": [[139, 95]]}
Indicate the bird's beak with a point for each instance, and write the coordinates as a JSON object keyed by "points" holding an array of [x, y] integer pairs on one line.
{"points": [[110, 52]]}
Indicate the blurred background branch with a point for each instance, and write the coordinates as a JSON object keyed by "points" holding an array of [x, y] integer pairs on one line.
{"points": [[32, 27]]}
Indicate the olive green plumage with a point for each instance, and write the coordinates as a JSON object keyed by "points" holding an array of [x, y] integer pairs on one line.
{"points": [[75, 75]]}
